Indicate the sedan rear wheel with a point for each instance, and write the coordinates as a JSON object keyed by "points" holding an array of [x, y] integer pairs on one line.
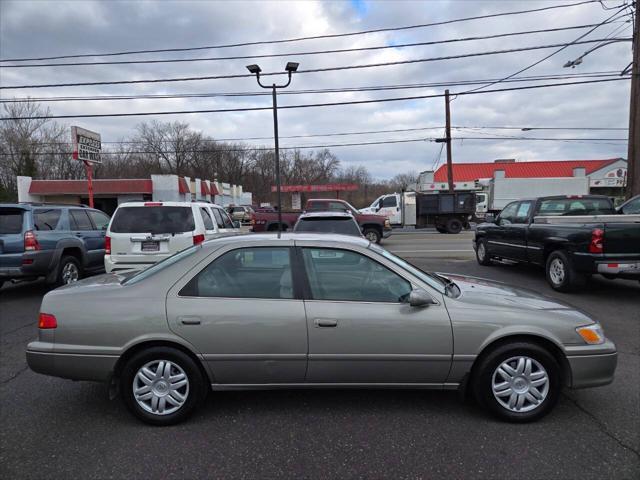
{"points": [[162, 385], [518, 382]]}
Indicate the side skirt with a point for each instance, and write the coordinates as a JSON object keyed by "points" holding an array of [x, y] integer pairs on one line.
{"points": [[277, 386]]}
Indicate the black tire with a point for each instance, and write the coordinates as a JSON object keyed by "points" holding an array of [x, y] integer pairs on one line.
{"points": [[1, 283], [454, 226], [561, 274], [68, 262], [484, 372], [372, 235], [482, 253], [195, 389]]}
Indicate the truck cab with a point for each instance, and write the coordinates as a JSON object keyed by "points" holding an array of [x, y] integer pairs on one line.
{"points": [[387, 205]]}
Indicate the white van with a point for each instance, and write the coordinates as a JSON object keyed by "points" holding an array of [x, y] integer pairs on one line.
{"points": [[143, 233]]}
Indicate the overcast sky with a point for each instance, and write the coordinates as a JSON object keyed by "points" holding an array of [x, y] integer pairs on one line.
{"points": [[50, 28]]}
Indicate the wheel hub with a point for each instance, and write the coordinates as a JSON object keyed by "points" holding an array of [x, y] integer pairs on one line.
{"points": [[520, 384], [161, 387]]}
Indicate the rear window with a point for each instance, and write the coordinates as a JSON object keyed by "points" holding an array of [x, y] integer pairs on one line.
{"points": [[345, 226], [156, 219], [576, 206], [10, 221], [46, 219]]}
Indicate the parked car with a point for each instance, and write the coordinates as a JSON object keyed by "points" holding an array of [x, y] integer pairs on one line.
{"points": [[630, 207], [61, 243], [291, 311], [143, 233], [572, 237], [241, 213], [328, 222], [374, 227]]}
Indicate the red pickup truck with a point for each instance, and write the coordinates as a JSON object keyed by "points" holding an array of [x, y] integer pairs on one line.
{"points": [[374, 227]]}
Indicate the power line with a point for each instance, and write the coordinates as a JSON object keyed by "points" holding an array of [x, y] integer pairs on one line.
{"points": [[563, 47], [336, 145], [292, 54], [374, 88], [314, 70], [316, 37], [309, 105]]}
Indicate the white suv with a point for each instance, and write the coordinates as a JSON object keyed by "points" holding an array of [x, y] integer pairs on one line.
{"points": [[143, 233]]}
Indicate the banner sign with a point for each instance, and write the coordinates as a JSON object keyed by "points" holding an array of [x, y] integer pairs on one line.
{"points": [[86, 145]]}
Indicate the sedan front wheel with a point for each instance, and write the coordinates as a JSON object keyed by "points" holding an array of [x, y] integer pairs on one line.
{"points": [[518, 382], [161, 385]]}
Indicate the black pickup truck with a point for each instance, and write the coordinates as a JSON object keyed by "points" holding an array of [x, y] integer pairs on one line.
{"points": [[572, 237]]}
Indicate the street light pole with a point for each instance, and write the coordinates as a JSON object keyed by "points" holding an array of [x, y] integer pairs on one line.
{"points": [[289, 68]]}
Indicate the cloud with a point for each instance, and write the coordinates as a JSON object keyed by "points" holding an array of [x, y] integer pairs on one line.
{"points": [[70, 27]]}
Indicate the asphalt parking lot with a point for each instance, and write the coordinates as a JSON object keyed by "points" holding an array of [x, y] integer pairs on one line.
{"points": [[54, 428]]}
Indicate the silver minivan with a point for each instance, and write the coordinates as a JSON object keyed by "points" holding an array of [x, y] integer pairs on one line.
{"points": [[143, 233]]}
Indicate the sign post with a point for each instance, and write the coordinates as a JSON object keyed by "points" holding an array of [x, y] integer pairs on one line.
{"points": [[86, 148]]}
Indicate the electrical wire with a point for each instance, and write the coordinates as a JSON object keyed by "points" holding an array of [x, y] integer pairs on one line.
{"points": [[374, 88], [309, 105], [316, 37], [314, 70], [292, 54]]}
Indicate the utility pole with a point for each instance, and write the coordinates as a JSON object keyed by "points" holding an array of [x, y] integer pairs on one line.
{"points": [[633, 156], [448, 140]]}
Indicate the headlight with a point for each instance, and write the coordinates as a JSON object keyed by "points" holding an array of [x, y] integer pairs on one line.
{"points": [[387, 223], [591, 334]]}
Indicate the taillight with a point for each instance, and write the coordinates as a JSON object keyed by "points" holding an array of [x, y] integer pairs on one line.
{"points": [[597, 241], [107, 245], [30, 241], [198, 239], [46, 320]]}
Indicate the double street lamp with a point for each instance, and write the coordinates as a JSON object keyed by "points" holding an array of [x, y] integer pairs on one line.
{"points": [[289, 68]]}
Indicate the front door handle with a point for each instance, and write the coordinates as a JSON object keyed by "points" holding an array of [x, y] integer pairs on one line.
{"points": [[189, 320], [326, 322]]}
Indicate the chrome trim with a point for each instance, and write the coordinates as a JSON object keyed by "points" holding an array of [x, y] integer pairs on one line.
{"points": [[380, 356], [513, 245]]}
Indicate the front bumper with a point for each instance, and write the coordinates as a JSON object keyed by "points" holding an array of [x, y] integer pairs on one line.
{"points": [[386, 233], [592, 366], [71, 366]]}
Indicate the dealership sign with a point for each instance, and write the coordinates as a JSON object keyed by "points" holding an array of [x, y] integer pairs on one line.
{"points": [[86, 145]]}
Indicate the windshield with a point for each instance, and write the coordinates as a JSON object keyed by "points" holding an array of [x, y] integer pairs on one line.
{"points": [[345, 226], [156, 219], [431, 279], [158, 267]]}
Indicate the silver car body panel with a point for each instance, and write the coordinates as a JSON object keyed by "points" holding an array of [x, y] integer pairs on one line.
{"points": [[258, 343]]}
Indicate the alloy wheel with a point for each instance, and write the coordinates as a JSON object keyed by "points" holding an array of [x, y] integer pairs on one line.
{"points": [[161, 387], [70, 273], [557, 271], [520, 384]]}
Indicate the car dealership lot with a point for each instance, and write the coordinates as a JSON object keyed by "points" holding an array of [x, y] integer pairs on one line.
{"points": [[57, 428]]}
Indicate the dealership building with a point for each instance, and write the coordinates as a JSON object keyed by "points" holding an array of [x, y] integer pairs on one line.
{"points": [[109, 193]]}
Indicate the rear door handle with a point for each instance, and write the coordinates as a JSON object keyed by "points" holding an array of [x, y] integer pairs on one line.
{"points": [[190, 320], [326, 322]]}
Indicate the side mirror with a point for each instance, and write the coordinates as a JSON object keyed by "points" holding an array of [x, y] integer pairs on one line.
{"points": [[420, 298], [236, 224], [490, 217]]}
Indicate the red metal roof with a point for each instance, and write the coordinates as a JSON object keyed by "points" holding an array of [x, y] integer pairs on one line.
{"points": [[100, 187], [465, 172], [204, 188], [214, 189], [330, 187], [182, 185]]}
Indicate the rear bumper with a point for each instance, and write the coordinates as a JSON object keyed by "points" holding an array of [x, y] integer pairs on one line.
{"points": [[111, 265], [71, 366], [623, 269], [26, 265]]}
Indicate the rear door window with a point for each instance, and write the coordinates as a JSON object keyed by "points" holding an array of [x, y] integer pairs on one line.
{"points": [[100, 220], [218, 216], [208, 222], [153, 219], [10, 221], [80, 220]]}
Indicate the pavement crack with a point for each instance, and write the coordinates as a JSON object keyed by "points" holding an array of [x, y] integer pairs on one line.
{"points": [[18, 328], [601, 426], [17, 374]]}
